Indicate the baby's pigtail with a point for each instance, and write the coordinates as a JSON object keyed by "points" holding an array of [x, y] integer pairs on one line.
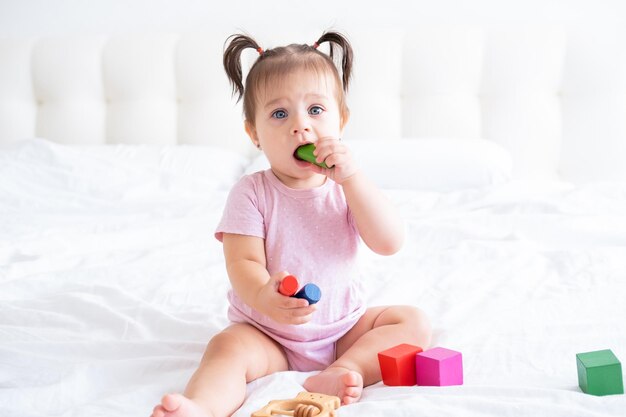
{"points": [[337, 39], [233, 47]]}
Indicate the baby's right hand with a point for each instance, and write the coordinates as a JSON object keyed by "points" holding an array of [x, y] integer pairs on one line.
{"points": [[280, 308]]}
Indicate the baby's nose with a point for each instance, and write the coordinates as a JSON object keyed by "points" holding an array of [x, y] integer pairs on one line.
{"points": [[300, 129], [300, 125]]}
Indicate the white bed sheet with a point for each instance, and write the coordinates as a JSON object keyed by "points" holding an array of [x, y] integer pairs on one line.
{"points": [[111, 283]]}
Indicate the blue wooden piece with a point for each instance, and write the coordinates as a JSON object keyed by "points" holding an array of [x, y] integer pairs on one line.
{"points": [[310, 292]]}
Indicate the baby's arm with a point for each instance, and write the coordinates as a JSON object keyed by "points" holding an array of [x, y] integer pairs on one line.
{"points": [[246, 267], [379, 224]]}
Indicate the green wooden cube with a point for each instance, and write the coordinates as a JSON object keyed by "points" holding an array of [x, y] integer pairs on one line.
{"points": [[599, 373]]}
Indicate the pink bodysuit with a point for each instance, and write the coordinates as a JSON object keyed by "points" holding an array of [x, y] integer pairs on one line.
{"points": [[311, 234]]}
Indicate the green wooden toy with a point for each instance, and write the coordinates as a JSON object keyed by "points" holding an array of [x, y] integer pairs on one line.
{"points": [[305, 153], [599, 373]]}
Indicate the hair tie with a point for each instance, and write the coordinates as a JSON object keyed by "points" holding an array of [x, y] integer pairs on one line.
{"points": [[315, 45], [259, 50]]}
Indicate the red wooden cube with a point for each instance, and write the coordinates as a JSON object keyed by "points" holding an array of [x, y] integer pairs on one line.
{"points": [[397, 365]]}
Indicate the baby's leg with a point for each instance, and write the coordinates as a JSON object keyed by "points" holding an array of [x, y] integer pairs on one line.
{"points": [[357, 362], [234, 357]]}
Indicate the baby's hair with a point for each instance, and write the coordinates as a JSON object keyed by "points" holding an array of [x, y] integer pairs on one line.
{"points": [[282, 60]]}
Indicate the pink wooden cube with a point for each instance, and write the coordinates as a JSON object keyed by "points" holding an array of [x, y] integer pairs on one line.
{"points": [[438, 367]]}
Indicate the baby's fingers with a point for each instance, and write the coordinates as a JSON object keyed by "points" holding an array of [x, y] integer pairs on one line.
{"points": [[337, 159], [293, 302], [300, 319], [303, 311], [323, 152], [300, 315]]}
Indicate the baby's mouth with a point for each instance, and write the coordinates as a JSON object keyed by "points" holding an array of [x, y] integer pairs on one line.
{"points": [[298, 152]]}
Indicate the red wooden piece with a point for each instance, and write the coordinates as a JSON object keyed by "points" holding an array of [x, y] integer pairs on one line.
{"points": [[288, 286], [397, 365]]}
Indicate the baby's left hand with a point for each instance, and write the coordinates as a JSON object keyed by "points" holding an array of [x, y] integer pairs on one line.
{"points": [[337, 156]]}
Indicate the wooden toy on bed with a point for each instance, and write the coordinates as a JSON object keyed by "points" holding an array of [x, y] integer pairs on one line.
{"points": [[439, 367], [397, 364], [599, 373], [306, 404]]}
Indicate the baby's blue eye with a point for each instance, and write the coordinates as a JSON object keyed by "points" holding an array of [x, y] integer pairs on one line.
{"points": [[279, 114], [316, 110]]}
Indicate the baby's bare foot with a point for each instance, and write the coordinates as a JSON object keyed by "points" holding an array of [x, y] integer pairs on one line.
{"points": [[342, 382], [176, 405]]}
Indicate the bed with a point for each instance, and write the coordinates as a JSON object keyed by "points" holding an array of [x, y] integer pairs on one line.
{"points": [[111, 185]]}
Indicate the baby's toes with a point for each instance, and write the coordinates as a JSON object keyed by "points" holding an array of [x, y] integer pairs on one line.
{"points": [[158, 411], [348, 399], [352, 379]]}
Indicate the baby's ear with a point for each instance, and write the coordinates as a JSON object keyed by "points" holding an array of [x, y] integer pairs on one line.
{"points": [[251, 131]]}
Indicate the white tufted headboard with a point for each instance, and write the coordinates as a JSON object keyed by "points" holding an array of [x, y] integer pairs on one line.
{"points": [[555, 99]]}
